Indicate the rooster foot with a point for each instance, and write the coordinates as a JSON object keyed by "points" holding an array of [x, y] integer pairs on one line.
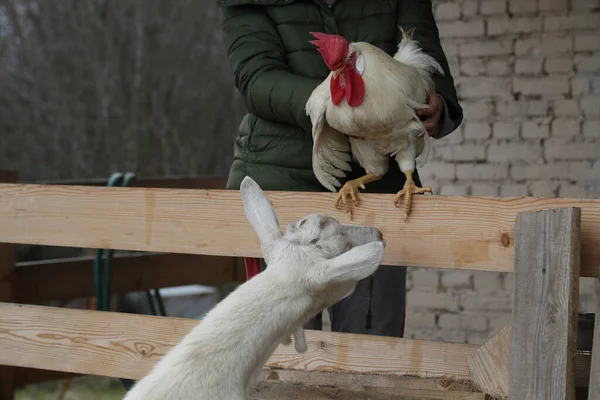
{"points": [[410, 188], [348, 192]]}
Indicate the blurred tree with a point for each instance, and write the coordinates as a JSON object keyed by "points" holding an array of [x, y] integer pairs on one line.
{"points": [[88, 87]]}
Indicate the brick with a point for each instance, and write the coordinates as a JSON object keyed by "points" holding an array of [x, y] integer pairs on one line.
{"points": [[506, 130], [572, 191], [587, 43], [459, 321], [477, 87], [486, 48], [432, 301], [473, 67], [522, 7], [450, 335], [528, 66], [483, 189], [420, 320], [561, 149], [492, 7], [496, 302], [500, 26], [481, 171], [426, 279], [559, 170], [596, 85], [514, 151], [498, 321], [514, 190], [566, 108], [558, 64], [455, 137], [450, 48], [571, 22], [461, 28], [543, 189], [566, 127], [469, 8], [508, 282], [535, 129], [584, 4], [477, 110], [591, 128], [477, 130], [447, 11], [554, 5], [581, 85], [590, 105], [523, 108], [487, 282], [466, 152], [542, 86], [543, 46], [499, 67], [585, 63], [453, 190], [457, 280], [440, 170]]}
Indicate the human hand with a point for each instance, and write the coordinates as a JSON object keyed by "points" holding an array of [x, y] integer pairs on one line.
{"points": [[432, 114]]}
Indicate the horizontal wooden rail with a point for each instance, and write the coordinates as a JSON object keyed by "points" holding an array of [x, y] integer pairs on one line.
{"points": [[114, 344], [474, 233], [64, 279]]}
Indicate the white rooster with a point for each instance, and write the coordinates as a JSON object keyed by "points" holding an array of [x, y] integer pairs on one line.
{"points": [[367, 106]]}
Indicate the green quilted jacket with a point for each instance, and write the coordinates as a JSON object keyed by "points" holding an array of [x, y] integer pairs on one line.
{"points": [[275, 68]]}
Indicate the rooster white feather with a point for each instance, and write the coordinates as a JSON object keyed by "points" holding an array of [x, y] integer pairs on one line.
{"points": [[367, 107]]}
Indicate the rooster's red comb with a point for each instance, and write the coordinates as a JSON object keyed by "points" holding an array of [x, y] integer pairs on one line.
{"points": [[333, 48]]}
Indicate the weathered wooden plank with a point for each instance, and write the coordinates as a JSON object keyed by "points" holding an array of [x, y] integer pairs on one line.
{"points": [[544, 319], [488, 366], [64, 279], [469, 232], [594, 391], [112, 344], [7, 293]]}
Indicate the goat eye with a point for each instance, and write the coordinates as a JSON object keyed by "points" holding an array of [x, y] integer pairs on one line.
{"points": [[314, 241], [301, 223]]}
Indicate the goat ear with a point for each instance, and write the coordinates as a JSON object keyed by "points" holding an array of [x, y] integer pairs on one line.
{"points": [[259, 212], [355, 264]]}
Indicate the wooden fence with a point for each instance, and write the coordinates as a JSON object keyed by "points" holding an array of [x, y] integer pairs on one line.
{"points": [[547, 250]]}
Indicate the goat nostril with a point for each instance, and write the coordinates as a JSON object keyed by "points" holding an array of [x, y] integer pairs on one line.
{"points": [[380, 235]]}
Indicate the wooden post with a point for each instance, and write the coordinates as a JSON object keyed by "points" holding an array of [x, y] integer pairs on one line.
{"points": [[7, 264], [544, 319], [594, 391]]}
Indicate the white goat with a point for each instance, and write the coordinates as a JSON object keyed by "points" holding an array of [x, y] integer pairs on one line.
{"points": [[313, 266]]}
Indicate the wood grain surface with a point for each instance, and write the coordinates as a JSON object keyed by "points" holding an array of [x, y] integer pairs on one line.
{"points": [[474, 233], [114, 344], [488, 366], [543, 338]]}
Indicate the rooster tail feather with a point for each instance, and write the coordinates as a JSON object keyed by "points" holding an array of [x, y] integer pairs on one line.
{"points": [[409, 52]]}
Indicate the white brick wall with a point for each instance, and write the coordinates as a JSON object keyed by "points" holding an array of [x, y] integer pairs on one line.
{"points": [[528, 77]]}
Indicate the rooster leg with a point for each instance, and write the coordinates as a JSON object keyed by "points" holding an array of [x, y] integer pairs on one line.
{"points": [[350, 190], [410, 188]]}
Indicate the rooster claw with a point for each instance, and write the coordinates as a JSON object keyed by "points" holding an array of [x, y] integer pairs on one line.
{"points": [[409, 189], [349, 192]]}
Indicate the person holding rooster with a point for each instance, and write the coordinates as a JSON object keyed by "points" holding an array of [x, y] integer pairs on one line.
{"points": [[276, 68]]}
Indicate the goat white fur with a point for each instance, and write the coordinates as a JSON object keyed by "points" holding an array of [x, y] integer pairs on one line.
{"points": [[313, 266]]}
